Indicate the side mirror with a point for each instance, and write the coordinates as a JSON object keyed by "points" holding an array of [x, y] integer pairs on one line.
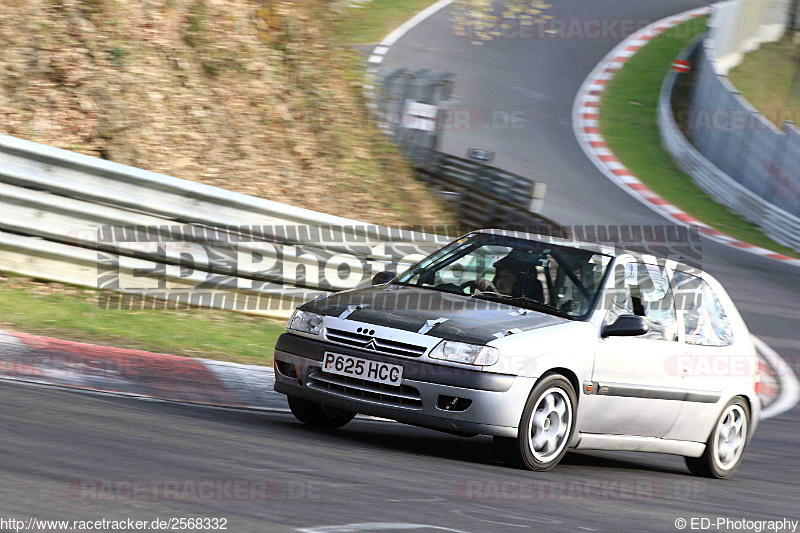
{"points": [[383, 277], [626, 326]]}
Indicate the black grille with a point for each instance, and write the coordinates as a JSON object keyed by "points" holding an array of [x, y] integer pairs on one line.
{"points": [[373, 344], [359, 389]]}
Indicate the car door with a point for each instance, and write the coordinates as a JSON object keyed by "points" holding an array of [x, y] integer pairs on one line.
{"points": [[635, 389], [717, 364]]}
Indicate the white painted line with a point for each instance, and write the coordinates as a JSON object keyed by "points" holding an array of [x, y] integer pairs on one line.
{"points": [[650, 195], [380, 50], [613, 165], [672, 210], [392, 38], [375, 526], [375, 59], [789, 390]]}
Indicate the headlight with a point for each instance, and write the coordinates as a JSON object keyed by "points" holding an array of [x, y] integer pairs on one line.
{"points": [[305, 322], [460, 352]]}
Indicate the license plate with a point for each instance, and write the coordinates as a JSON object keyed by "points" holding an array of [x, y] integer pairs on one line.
{"points": [[355, 367]]}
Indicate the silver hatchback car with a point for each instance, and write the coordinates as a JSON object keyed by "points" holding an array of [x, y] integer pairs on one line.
{"points": [[546, 345]]}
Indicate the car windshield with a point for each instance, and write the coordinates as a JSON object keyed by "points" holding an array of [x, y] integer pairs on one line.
{"points": [[532, 274]]}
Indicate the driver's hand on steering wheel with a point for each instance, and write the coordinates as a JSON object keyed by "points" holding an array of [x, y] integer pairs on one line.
{"points": [[484, 285]]}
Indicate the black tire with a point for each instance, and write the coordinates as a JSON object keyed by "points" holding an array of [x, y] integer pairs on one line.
{"points": [[318, 415], [521, 452], [710, 464]]}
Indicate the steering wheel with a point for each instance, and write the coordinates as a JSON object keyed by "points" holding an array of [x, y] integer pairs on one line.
{"points": [[486, 286]]}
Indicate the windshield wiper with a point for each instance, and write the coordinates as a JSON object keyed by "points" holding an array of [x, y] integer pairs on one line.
{"points": [[527, 302]]}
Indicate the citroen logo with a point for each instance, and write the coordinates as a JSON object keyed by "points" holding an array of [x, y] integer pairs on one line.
{"points": [[371, 345]]}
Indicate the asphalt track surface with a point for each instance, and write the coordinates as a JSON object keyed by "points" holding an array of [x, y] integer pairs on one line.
{"points": [[385, 473]]}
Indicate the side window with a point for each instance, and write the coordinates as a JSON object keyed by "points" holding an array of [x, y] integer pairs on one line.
{"points": [[704, 319], [644, 290], [567, 295], [588, 271]]}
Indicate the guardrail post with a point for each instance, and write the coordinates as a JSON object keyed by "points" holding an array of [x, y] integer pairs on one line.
{"points": [[743, 151], [721, 155], [539, 190], [774, 168]]}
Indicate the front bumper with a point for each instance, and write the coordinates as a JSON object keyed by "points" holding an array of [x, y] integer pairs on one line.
{"points": [[495, 402]]}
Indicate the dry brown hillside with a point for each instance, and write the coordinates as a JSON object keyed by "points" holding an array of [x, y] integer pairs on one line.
{"points": [[257, 96]]}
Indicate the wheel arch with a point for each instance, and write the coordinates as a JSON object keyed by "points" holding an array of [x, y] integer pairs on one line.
{"points": [[570, 375], [751, 413], [723, 405]]}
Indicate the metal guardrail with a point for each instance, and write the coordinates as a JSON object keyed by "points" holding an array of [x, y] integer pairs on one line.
{"points": [[72, 218], [76, 219], [489, 197], [781, 226], [743, 143], [737, 155], [491, 180]]}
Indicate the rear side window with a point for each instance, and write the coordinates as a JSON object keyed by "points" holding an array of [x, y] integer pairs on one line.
{"points": [[644, 290], [704, 319]]}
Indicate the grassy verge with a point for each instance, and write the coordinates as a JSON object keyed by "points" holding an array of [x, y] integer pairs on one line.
{"points": [[373, 21], [72, 313], [628, 121], [765, 78]]}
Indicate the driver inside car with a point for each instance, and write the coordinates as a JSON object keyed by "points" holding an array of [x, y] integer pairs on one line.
{"points": [[516, 276]]}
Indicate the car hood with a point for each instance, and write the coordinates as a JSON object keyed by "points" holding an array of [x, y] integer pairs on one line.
{"points": [[410, 308]]}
